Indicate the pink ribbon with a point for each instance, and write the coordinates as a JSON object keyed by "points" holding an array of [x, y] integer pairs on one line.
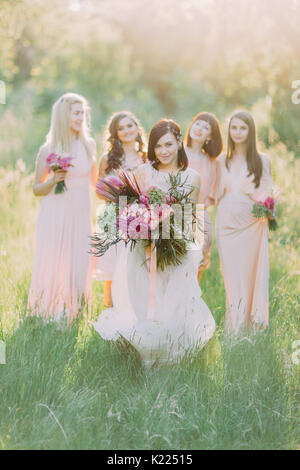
{"points": [[152, 283]]}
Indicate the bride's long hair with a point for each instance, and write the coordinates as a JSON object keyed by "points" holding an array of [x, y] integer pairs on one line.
{"points": [[114, 148], [159, 129], [59, 135], [254, 161]]}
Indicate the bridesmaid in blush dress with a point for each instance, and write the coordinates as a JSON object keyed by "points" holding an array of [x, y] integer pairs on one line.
{"points": [[203, 144], [61, 277], [243, 177], [125, 140]]}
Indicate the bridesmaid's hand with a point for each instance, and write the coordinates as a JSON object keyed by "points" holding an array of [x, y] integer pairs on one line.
{"points": [[58, 176], [207, 234]]}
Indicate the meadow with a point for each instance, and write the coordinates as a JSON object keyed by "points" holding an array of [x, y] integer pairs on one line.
{"points": [[69, 389]]}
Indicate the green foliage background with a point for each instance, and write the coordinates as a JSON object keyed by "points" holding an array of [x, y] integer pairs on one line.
{"points": [[69, 389], [161, 58]]}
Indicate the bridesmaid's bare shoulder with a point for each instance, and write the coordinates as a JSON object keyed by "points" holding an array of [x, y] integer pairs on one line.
{"points": [[266, 162], [265, 158], [220, 160], [43, 153], [104, 158], [92, 147], [103, 164]]}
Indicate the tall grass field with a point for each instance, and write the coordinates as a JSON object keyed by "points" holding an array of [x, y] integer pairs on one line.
{"points": [[67, 388]]}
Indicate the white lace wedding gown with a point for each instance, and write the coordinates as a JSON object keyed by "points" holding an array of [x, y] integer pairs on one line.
{"points": [[181, 321]]}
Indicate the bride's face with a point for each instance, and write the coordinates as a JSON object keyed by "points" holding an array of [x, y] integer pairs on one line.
{"points": [[166, 149]]}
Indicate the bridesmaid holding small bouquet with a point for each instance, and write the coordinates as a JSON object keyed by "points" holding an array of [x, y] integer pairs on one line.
{"points": [[65, 167], [243, 179]]}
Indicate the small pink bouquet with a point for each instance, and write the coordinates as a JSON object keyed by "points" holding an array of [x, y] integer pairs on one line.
{"points": [[57, 162], [266, 210]]}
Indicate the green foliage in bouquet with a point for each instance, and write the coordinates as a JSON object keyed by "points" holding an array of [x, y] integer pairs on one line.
{"points": [[170, 251]]}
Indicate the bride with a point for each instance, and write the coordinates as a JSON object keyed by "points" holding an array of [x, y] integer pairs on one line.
{"points": [[180, 321]]}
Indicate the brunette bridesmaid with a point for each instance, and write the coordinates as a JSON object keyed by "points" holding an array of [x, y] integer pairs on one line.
{"points": [[203, 144], [61, 277], [243, 177], [125, 142]]}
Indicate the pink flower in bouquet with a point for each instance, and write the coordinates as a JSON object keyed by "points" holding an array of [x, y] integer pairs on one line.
{"points": [[166, 212], [170, 199], [51, 159], [57, 162], [138, 229], [139, 210], [269, 203], [144, 199], [64, 162], [163, 211]]}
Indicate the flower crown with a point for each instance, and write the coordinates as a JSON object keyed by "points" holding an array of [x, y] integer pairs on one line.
{"points": [[177, 134]]}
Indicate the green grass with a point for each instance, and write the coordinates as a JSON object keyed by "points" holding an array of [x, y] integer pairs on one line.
{"points": [[69, 389]]}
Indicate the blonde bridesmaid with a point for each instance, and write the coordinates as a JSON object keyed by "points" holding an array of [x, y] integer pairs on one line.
{"points": [[125, 142], [61, 277], [203, 144], [243, 177]]}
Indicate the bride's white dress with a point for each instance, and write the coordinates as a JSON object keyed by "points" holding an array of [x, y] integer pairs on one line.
{"points": [[181, 321]]}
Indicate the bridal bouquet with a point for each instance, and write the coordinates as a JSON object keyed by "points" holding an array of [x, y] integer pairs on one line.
{"points": [[144, 217], [57, 162], [266, 210]]}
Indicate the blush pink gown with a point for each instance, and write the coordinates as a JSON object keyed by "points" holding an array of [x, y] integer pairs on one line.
{"points": [[61, 277], [243, 245], [206, 167]]}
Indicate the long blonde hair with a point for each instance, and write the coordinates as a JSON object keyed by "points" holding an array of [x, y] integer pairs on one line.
{"points": [[59, 135]]}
